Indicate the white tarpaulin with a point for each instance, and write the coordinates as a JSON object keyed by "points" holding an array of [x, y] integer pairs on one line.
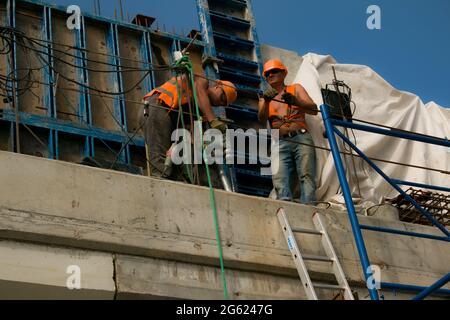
{"points": [[376, 101]]}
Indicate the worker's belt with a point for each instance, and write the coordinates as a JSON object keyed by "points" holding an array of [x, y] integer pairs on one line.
{"points": [[293, 133]]}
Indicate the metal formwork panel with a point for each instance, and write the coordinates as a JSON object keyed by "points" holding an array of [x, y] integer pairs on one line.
{"points": [[229, 28], [99, 53], [161, 49], [68, 121], [66, 92], [30, 20], [131, 57]]}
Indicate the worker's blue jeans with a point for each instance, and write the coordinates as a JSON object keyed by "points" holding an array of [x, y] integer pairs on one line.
{"points": [[292, 159]]}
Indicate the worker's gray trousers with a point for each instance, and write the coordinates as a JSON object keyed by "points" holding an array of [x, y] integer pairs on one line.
{"points": [[158, 128]]}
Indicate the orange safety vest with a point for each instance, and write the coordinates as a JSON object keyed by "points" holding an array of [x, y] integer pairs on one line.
{"points": [[168, 93], [285, 113]]}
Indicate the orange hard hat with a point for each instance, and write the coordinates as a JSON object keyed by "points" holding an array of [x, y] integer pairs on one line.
{"points": [[229, 89], [274, 64]]}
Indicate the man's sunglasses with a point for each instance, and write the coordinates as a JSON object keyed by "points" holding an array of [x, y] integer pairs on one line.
{"points": [[223, 97], [273, 71]]}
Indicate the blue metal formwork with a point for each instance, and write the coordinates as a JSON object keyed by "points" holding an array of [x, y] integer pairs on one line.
{"points": [[229, 29], [332, 132], [83, 129]]}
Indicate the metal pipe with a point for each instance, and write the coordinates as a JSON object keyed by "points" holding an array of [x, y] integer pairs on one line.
{"points": [[348, 200], [407, 287], [224, 178], [435, 286], [404, 233], [14, 93], [396, 187], [420, 185], [16, 111], [393, 133], [121, 10]]}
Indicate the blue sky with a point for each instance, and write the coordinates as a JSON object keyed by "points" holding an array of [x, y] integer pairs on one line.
{"points": [[411, 51]]}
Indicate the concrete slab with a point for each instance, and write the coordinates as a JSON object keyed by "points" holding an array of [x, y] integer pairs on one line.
{"points": [[31, 271], [67, 204]]}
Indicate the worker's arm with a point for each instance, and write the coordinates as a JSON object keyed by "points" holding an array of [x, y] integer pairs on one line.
{"points": [[301, 99], [263, 112], [263, 104], [201, 86]]}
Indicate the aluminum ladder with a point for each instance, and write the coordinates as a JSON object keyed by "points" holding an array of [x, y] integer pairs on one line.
{"points": [[300, 258]]}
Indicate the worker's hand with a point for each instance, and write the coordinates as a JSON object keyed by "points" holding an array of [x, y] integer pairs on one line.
{"points": [[219, 125], [270, 94], [290, 99]]}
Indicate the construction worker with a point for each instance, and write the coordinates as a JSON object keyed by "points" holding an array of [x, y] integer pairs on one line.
{"points": [[284, 106], [162, 120]]}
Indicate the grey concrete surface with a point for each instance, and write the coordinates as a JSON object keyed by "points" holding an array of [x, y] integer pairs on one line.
{"points": [[60, 203]]}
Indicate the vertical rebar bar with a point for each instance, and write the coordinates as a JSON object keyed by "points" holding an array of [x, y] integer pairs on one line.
{"points": [[121, 10], [16, 111]]}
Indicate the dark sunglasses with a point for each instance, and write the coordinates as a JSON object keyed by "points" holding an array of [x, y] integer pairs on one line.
{"points": [[273, 71], [223, 97]]}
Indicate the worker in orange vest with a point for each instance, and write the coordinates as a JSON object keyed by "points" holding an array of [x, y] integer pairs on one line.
{"points": [[162, 119], [284, 106]]}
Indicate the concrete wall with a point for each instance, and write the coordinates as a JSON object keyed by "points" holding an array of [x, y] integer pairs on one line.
{"points": [[64, 204]]}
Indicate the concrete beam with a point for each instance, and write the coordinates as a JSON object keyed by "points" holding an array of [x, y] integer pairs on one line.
{"points": [[67, 204], [30, 271], [148, 278]]}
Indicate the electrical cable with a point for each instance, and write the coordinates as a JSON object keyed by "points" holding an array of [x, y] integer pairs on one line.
{"points": [[127, 100], [283, 139], [35, 41], [165, 68]]}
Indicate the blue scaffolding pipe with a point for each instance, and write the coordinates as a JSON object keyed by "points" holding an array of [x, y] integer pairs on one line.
{"points": [[435, 286], [393, 133], [420, 185], [407, 287], [404, 233], [348, 200], [380, 172]]}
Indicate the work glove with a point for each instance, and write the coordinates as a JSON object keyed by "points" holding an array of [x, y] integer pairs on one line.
{"points": [[270, 94], [290, 99], [219, 125]]}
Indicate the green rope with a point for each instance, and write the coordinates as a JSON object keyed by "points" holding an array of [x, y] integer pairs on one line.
{"points": [[187, 166], [187, 63]]}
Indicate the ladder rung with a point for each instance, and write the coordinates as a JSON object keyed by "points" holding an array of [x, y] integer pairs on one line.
{"points": [[316, 258], [328, 286], [310, 231]]}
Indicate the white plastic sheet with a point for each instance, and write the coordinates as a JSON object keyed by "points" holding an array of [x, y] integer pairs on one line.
{"points": [[376, 101]]}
